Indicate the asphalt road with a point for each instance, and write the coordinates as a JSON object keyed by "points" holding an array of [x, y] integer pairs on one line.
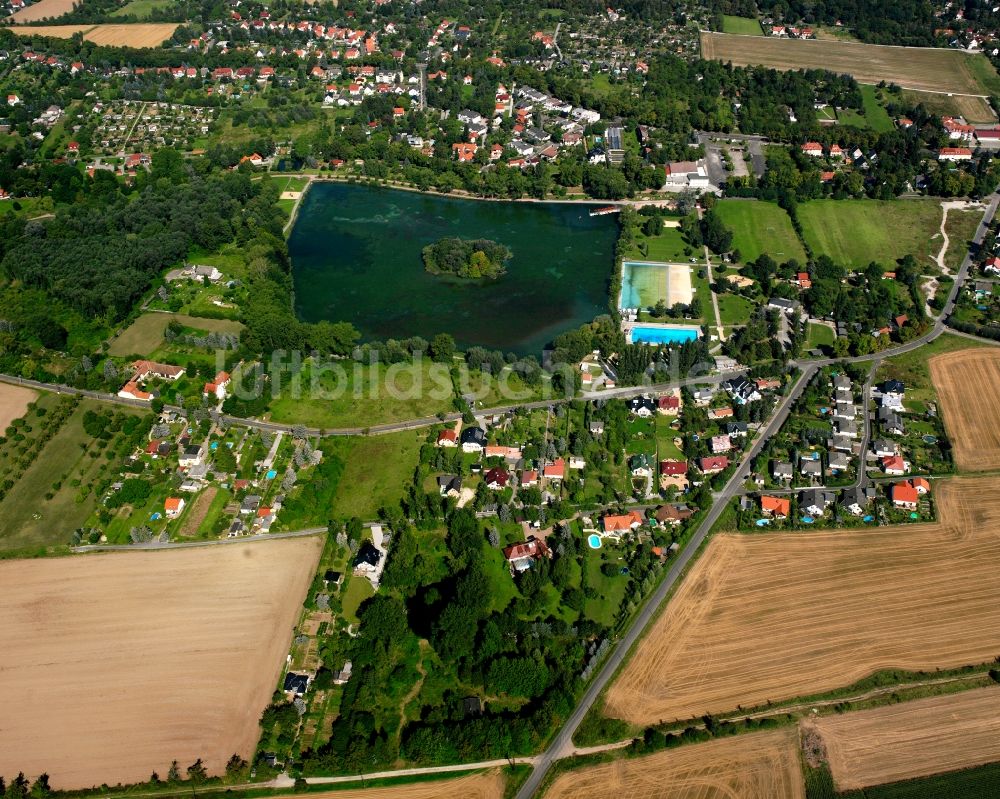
{"points": [[563, 741]]}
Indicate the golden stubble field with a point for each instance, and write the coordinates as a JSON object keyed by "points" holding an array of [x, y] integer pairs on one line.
{"points": [[113, 665], [921, 68], [129, 34], [774, 616], [43, 9], [913, 739], [966, 383], [484, 785], [763, 765]]}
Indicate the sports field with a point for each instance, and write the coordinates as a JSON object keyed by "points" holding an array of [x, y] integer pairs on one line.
{"points": [[912, 739], [967, 382], [772, 617], [145, 334], [921, 68], [856, 232], [136, 34], [645, 283], [761, 227], [114, 665], [763, 765]]}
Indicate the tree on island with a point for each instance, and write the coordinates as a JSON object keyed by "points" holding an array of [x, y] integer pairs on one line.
{"points": [[471, 259]]}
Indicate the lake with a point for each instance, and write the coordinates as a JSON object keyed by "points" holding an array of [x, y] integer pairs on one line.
{"points": [[356, 257]]}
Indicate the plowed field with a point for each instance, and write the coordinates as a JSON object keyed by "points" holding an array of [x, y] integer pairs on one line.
{"points": [[776, 616]]}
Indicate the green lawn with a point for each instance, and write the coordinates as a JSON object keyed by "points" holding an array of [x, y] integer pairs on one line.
{"points": [[856, 232], [820, 336], [669, 246], [875, 114], [357, 591], [145, 334], [734, 309], [744, 25], [761, 227], [984, 72], [961, 227], [603, 608], [666, 449], [141, 8], [377, 472], [351, 395]]}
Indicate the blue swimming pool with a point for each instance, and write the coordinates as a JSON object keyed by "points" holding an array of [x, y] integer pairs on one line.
{"points": [[663, 335], [594, 540], [271, 474]]}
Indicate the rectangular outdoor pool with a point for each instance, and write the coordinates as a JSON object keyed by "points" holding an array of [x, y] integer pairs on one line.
{"points": [[663, 335]]}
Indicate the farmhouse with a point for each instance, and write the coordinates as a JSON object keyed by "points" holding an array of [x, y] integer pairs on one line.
{"points": [[146, 369]]}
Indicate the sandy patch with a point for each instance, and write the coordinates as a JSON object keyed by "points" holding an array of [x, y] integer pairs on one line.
{"points": [[14, 402]]}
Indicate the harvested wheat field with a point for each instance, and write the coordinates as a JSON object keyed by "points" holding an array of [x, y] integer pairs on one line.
{"points": [[914, 739], [113, 665], [133, 34], [43, 9], [967, 382], [776, 616], [14, 402], [763, 765], [921, 68], [484, 785]]}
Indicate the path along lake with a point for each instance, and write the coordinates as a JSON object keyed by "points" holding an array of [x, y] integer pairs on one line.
{"points": [[356, 257]]}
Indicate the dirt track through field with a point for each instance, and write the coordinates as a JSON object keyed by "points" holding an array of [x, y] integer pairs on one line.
{"points": [[112, 666], [967, 383], [913, 739], [14, 402], [752, 766], [921, 68], [770, 617], [486, 785]]}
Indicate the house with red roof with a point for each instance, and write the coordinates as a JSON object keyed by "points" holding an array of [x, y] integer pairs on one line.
{"points": [[713, 465], [673, 468], [447, 438], [776, 507], [217, 386], [555, 470], [614, 525], [813, 148], [496, 478], [904, 495], [522, 556], [668, 405], [529, 477], [954, 154], [464, 152], [895, 465], [172, 507], [921, 484]]}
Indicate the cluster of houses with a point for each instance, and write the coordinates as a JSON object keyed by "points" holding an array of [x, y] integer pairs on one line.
{"points": [[122, 125], [530, 142]]}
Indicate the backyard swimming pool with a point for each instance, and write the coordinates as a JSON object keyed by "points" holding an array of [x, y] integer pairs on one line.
{"points": [[662, 335], [594, 540]]}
